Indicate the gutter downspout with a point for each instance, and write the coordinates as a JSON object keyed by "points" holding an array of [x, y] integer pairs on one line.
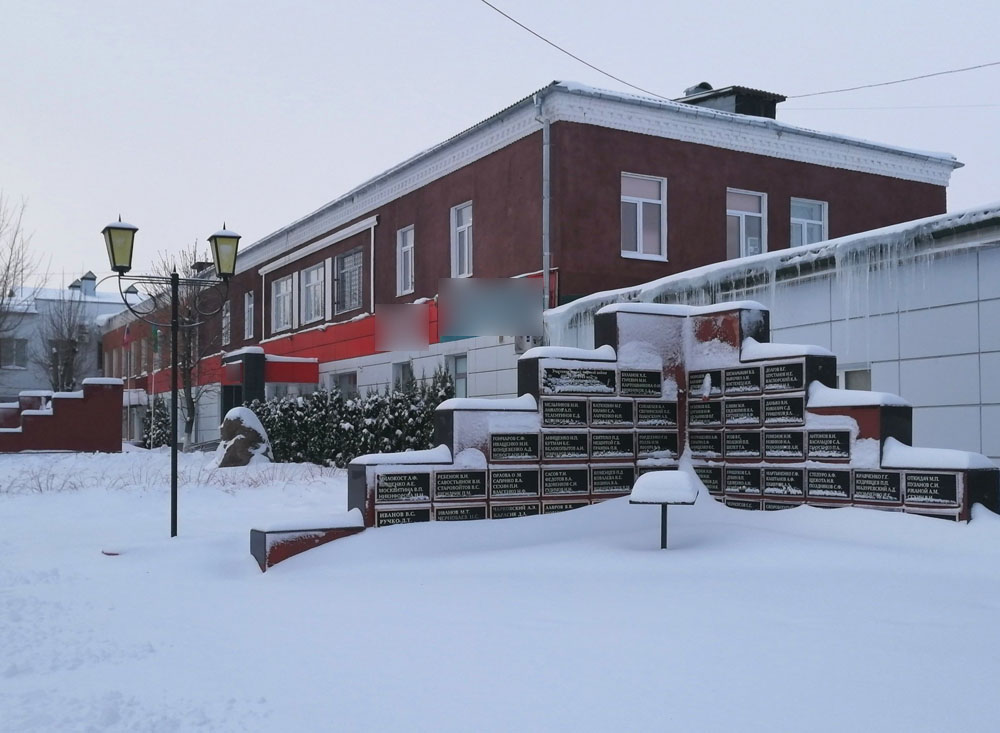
{"points": [[371, 273], [546, 195]]}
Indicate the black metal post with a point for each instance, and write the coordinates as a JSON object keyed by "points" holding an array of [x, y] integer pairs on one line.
{"points": [[174, 328], [663, 526]]}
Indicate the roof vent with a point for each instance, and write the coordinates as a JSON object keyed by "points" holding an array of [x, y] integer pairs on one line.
{"points": [[698, 88], [739, 100]]}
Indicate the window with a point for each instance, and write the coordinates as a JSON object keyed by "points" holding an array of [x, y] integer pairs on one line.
{"points": [[248, 315], [461, 240], [348, 269], [458, 367], [14, 353], [140, 365], [226, 323], [281, 304], [644, 217], [402, 374], [746, 228], [808, 222], [404, 261], [313, 293], [346, 382]]}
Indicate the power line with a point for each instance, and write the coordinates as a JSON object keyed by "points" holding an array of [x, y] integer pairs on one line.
{"points": [[925, 106], [539, 36], [897, 81]]}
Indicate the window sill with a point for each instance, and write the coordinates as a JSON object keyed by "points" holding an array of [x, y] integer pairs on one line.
{"points": [[640, 256]]}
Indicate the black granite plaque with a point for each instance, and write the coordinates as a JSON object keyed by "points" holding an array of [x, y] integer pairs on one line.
{"points": [[742, 443], [702, 413], [611, 412], [445, 513], [393, 487], [557, 481], [740, 480], [513, 446], [513, 482], [784, 481], [564, 445], [612, 479], [387, 517], [696, 383], [656, 413], [784, 444], [784, 411], [612, 445], [829, 444], [777, 506], [460, 485], [745, 504], [711, 477], [509, 511], [824, 484], [744, 380], [784, 377], [705, 444], [931, 488], [656, 444], [564, 412], [881, 486], [554, 507], [582, 380], [640, 383], [742, 412]]}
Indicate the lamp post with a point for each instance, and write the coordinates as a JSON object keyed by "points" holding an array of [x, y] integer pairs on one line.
{"points": [[119, 237]]}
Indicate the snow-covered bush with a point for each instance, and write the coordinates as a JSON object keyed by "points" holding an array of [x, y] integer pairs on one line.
{"points": [[328, 429], [156, 425]]}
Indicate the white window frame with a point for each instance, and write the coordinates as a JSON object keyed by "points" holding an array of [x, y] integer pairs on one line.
{"points": [[455, 230], [308, 288], [743, 216], [248, 314], [226, 325], [404, 257], [338, 305], [797, 222], [288, 308], [452, 366], [638, 201]]}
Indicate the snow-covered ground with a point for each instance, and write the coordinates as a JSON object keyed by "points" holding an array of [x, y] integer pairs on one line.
{"points": [[801, 620]]}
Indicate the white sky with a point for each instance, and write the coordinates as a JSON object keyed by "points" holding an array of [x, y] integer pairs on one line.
{"points": [[182, 115]]}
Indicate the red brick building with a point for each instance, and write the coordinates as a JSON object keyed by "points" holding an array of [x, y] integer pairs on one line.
{"points": [[598, 188]]}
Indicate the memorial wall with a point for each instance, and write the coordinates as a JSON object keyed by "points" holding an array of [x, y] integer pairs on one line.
{"points": [[762, 425]]}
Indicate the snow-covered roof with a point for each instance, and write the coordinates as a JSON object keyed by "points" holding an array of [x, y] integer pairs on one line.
{"points": [[573, 102], [929, 230]]}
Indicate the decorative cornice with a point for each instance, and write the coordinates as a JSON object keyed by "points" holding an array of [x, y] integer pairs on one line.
{"points": [[338, 236]]}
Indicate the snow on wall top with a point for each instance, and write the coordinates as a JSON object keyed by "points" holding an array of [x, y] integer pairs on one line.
{"points": [[754, 350], [103, 380], [602, 353], [440, 454], [524, 402], [822, 396], [558, 320], [673, 309], [899, 455]]}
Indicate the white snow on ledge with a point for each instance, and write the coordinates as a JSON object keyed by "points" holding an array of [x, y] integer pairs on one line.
{"points": [[35, 393], [524, 402], [822, 396], [753, 350], [440, 454], [899, 455], [103, 380], [672, 309], [346, 520], [602, 353], [244, 350], [664, 487]]}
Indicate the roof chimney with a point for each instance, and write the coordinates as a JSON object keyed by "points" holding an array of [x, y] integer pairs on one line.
{"points": [[88, 283], [739, 100]]}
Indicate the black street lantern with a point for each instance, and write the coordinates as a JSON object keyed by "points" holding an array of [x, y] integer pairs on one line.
{"points": [[119, 236], [224, 244]]}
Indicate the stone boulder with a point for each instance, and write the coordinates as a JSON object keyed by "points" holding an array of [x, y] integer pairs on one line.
{"points": [[243, 440]]}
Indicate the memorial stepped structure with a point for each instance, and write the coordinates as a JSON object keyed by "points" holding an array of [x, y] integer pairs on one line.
{"points": [[762, 425]]}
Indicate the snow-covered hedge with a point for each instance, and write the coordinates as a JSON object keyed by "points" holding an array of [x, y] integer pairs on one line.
{"points": [[329, 429]]}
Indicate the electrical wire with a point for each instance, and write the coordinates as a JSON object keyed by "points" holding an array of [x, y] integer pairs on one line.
{"points": [[570, 54], [896, 81]]}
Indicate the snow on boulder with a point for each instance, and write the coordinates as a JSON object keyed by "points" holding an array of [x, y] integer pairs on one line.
{"points": [[244, 440], [664, 487]]}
